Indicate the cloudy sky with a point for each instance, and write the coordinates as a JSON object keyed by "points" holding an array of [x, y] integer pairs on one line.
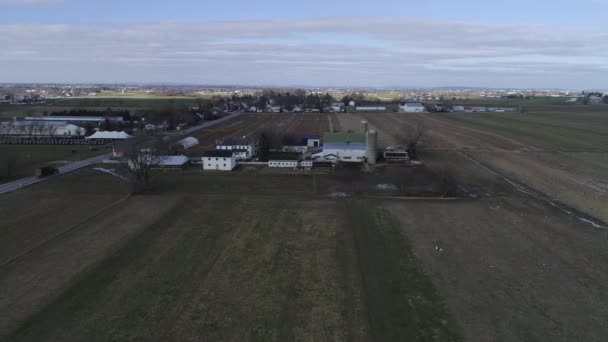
{"points": [[524, 44]]}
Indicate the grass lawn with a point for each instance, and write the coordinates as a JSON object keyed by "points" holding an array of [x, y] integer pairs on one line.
{"points": [[23, 159], [547, 130]]}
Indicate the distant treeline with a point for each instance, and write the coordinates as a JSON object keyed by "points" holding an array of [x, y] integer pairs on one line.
{"points": [[125, 114]]}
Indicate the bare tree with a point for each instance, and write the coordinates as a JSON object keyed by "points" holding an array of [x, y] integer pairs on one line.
{"points": [[141, 155], [412, 137], [447, 182], [30, 128]]}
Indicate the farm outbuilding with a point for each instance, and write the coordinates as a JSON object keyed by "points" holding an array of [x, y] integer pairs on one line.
{"points": [[188, 142], [171, 162], [110, 135]]}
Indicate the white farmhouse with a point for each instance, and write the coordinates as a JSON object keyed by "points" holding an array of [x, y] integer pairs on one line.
{"points": [[411, 107], [243, 148], [223, 160]]}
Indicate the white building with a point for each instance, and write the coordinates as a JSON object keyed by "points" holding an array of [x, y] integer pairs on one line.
{"points": [[283, 163], [245, 149], [40, 128], [371, 109], [411, 107], [345, 147], [110, 135], [223, 160]]}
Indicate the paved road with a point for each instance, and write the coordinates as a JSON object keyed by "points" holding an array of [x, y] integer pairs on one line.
{"points": [[4, 188], [208, 124]]}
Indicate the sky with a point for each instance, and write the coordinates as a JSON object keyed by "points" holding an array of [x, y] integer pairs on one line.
{"points": [[381, 43]]}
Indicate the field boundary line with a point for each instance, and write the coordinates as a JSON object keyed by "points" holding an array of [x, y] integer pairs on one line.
{"points": [[71, 229], [530, 191]]}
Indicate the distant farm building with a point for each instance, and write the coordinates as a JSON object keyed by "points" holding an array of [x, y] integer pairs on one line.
{"points": [[411, 107], [245, 148], [171, 162], [284, 159], [40, 128], [370, 109], [396, 153], [221, 160], [108, 135], [188, 142]]}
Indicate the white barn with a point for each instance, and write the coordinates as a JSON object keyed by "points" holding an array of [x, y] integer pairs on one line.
{"points": [[411, 107], [345, 147], [223, 160]]}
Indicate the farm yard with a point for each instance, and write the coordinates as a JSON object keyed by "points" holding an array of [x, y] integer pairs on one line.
{"points": [[250, 125], [342, 255]]}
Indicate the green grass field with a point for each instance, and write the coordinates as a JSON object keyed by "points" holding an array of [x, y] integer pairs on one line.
{"points": [[265, 252], [546, 129], [17, 161]]}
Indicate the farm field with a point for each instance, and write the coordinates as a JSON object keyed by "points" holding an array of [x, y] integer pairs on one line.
{"points": [[23, 159], [562, 155], [277, 254], [285, 262], [256, 255]]}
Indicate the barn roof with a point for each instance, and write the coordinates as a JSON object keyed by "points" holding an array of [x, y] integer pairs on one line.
{"points": [[172, 160], [344, 138], [188, 142], [110, 135], [218, 153]]}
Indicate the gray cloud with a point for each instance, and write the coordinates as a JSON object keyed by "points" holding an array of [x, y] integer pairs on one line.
{"points": [[345, 51]]}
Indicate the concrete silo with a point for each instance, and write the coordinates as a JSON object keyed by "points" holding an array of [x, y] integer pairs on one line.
{"points": [[372, 146], [364, 126]]}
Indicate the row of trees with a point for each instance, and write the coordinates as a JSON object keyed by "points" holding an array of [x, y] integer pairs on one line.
{"points": [[31, 128]]}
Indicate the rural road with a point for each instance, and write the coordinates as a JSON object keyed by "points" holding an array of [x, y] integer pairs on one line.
{"points": [[209, 124], [4, 188]]}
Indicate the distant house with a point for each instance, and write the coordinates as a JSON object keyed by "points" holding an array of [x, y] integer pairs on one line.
{"points": [[222, 160], [411, 107], [244, 147]]}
